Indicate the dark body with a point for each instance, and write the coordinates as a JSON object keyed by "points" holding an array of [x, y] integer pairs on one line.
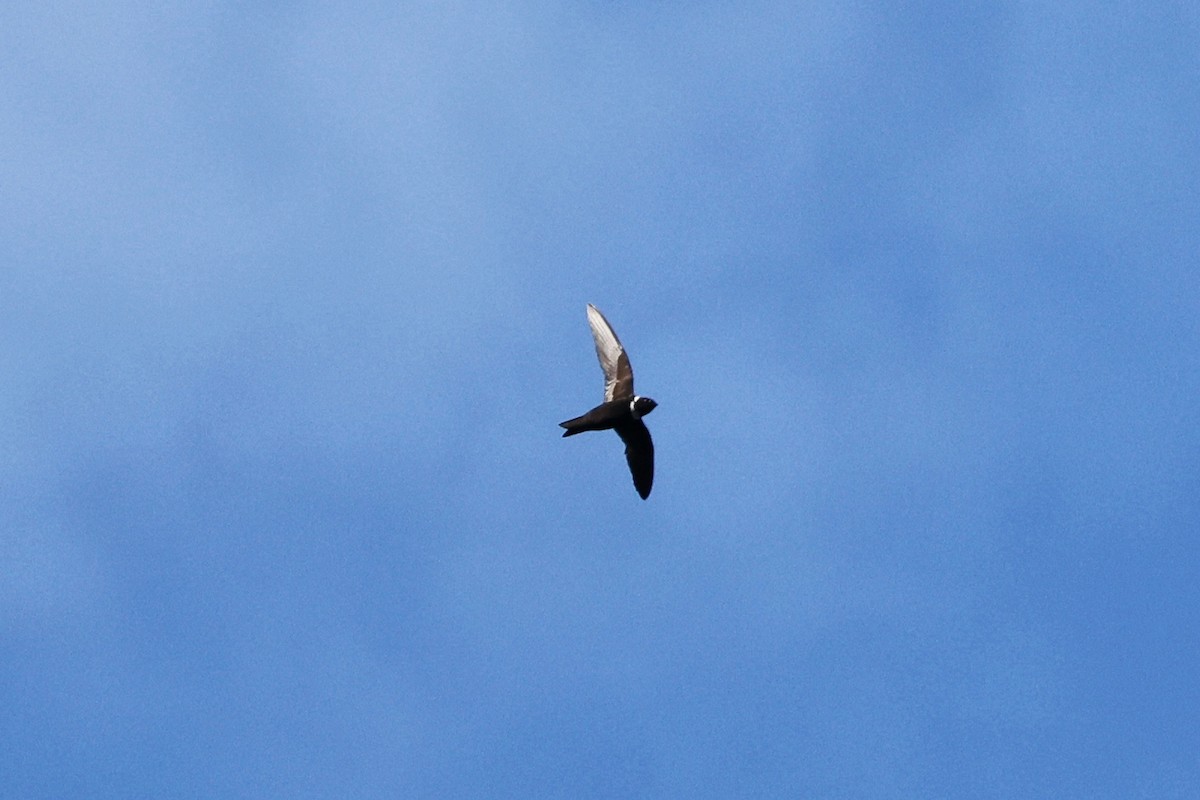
{"points": [[603, 417], [625, 417], [621, 410]]}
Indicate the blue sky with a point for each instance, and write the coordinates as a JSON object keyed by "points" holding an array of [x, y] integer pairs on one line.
{"points": [[293, 301]]}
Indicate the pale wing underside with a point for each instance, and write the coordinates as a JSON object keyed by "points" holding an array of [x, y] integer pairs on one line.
{"points": [[618, 376]]}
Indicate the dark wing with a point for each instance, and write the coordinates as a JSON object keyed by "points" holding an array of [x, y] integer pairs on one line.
{"points": [[618, 375], [639, 452]]}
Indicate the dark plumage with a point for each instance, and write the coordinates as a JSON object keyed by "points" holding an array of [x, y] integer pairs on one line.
{"points": [[621, 410]]}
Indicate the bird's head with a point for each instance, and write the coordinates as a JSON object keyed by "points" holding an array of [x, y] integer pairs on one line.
{"points": [[641, 406]]}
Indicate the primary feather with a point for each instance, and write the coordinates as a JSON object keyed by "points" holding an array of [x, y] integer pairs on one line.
{"points": [[618, 375]]}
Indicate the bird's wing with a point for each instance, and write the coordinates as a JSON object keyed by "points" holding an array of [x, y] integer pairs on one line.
{"points": [[618, 375], [639, 452]]}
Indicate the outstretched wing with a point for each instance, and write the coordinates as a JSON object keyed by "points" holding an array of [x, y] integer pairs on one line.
{"points": [[639, 452], [618, 375]]}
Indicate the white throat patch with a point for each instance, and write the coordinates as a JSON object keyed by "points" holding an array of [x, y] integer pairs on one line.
{"points": [[633, 407]]}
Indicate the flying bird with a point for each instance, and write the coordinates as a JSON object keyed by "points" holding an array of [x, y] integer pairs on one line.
{"points": [[622, 410]]}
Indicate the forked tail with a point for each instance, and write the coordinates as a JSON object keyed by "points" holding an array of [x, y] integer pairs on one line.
{"points": [[573, 426]]}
